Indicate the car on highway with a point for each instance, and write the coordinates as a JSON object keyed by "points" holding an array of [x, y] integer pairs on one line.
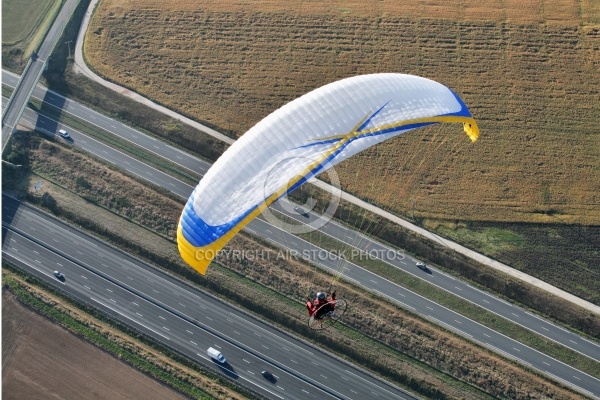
{"points": [[64, 134], [423, 267], [216, 355], [301, 211], [269, 376], [59, 275]]}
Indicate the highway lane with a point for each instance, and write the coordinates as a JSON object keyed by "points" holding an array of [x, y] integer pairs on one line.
{"points": [[459, 288], [352, 238], [191, 163], [178, 315], [394, 292]]}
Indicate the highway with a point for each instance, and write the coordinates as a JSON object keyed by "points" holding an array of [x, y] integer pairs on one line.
{"points": [[371, 281], [178, 315], [13, 110]]}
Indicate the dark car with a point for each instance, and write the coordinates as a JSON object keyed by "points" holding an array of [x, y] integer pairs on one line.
{"points": [[59, 276], [269, 376], [301, 211]]}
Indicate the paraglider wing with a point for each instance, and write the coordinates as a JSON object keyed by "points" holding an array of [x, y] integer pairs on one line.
{"points": [[299, 141]]}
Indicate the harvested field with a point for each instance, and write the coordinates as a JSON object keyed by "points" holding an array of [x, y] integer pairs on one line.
{"points": [[528, 69], [41, 360]]}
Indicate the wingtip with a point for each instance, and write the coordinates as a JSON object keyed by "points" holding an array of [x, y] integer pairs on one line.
{"points": [[472, 130]]}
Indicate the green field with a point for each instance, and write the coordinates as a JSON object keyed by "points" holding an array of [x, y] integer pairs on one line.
{"points": [[24, 25]]}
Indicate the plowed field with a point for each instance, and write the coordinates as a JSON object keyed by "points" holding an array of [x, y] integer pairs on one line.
{"points": [[41, 360]]}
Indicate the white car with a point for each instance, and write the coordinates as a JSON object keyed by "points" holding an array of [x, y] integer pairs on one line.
{"points": [[64, 134], [216, 355], [422, 266]]}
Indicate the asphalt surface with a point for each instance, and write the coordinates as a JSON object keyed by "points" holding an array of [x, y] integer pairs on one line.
{"points": [[431, 310], [31, 75], [178, 315]]}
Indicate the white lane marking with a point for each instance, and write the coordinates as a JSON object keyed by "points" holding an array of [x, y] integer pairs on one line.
{"points": [[166, 328], [85, 286], [236, 332], [135, 304], [190, 332], [131, 319], [109, 290], [83, 277], [161, 317], [246, 360]]}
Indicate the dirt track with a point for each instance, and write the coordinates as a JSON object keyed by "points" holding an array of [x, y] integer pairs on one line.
{"points": [[41, 360]]}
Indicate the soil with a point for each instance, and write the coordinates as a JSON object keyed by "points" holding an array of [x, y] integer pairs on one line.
{"points": [[41, 360]]}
